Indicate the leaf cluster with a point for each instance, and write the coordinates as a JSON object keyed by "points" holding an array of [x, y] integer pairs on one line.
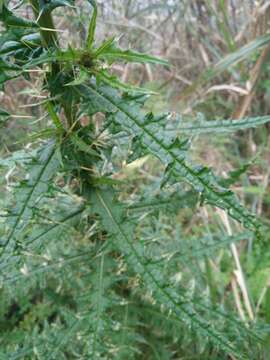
{"points": [[86, 271]]}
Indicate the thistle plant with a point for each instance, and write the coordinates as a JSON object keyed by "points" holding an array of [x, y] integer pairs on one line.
{"points": [[87, 271]]}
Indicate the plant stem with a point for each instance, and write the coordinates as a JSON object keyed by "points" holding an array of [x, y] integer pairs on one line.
{"points": [[45, 21], [50, 39]]}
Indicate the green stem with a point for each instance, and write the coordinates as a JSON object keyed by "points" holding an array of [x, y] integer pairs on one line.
{"points": [[45, 21], [50, 39]]}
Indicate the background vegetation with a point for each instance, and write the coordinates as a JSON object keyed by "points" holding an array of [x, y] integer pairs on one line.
{"points": [[70, 294]]}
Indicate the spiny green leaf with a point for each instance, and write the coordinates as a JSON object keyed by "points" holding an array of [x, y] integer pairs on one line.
{"points": [[27, 194], [58, 226], [41, 236], [104, 46], [167, 202], [240, 54], [10, 46], [113, 81], [38, 135], [32, 40], [18, 157], [8, 71], [92, 26], [233, 176], [200, 125], [55, 118], [41, 269], [82, 146], [166, 146], [50, 56], [113, 53], [204, 247], [112, 215], [4, 65], [81, 78], [11, 20]]}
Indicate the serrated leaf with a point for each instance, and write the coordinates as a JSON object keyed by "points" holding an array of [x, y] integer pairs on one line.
{"points": [[164, 145], [81, 78], [31, 40], [55, 118], [41, 171], [234, 176], [92, 26], [200, 125], [49, 56], [4, 65], [167, 202], [113, 81], [113, 53], [201, 247], [104, 46], [26, 41], [82, 146], [9, 19], [10, 46], [120, 230]]}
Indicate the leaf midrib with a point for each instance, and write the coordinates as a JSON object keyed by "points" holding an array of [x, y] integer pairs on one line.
{"points": [[181, 163]]}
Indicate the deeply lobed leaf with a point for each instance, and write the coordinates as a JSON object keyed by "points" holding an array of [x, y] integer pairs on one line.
{"points": [[159, 140]]}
